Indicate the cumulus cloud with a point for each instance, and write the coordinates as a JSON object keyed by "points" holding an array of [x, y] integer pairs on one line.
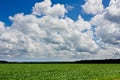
{"points": [[108, 28], [113, 11], [48, 36], [46, 8], [2, 27], [93, 6], [107, 24], [53, 36]]}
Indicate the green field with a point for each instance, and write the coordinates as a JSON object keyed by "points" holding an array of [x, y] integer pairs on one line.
{"points": [[59, 71]]}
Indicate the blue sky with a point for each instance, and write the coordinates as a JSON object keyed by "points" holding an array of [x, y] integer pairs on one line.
{"points": [[11, 7], [59, 30]]}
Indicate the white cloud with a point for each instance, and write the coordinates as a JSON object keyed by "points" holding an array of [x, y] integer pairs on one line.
{"points": [[108, 25], [108, 29], [69, 7], [46, 8], [113, 11], [93, 6], [2, 27], [45, 37], [53, 36]]}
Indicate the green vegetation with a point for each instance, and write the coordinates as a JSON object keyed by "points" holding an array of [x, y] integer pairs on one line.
{"points": [[59, 71]]}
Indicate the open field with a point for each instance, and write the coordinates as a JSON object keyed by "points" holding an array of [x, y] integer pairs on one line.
{"points": [[59, 71]]}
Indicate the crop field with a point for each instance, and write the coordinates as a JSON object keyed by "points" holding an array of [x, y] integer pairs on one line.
{"points": [[59, 71]]}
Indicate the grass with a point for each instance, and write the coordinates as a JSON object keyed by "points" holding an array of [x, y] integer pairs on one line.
{"points": [[59, 71]]}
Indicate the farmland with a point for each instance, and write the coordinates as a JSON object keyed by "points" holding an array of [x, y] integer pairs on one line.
{"points": [[59, 71]]}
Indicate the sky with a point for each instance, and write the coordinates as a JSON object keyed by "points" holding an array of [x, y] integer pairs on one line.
{"points": [[59, 30]]}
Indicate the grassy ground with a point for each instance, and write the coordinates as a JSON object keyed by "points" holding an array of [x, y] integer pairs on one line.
{"points": [[59, 71]]}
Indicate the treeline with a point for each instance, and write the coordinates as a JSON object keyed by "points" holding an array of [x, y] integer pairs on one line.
{"points": [[75, 62], [99, 61]]}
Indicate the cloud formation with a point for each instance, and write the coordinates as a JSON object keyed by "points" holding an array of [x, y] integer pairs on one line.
{"points": [[108, 27], [2, 27], [48, 34], [46, 8], [93, 6]]}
